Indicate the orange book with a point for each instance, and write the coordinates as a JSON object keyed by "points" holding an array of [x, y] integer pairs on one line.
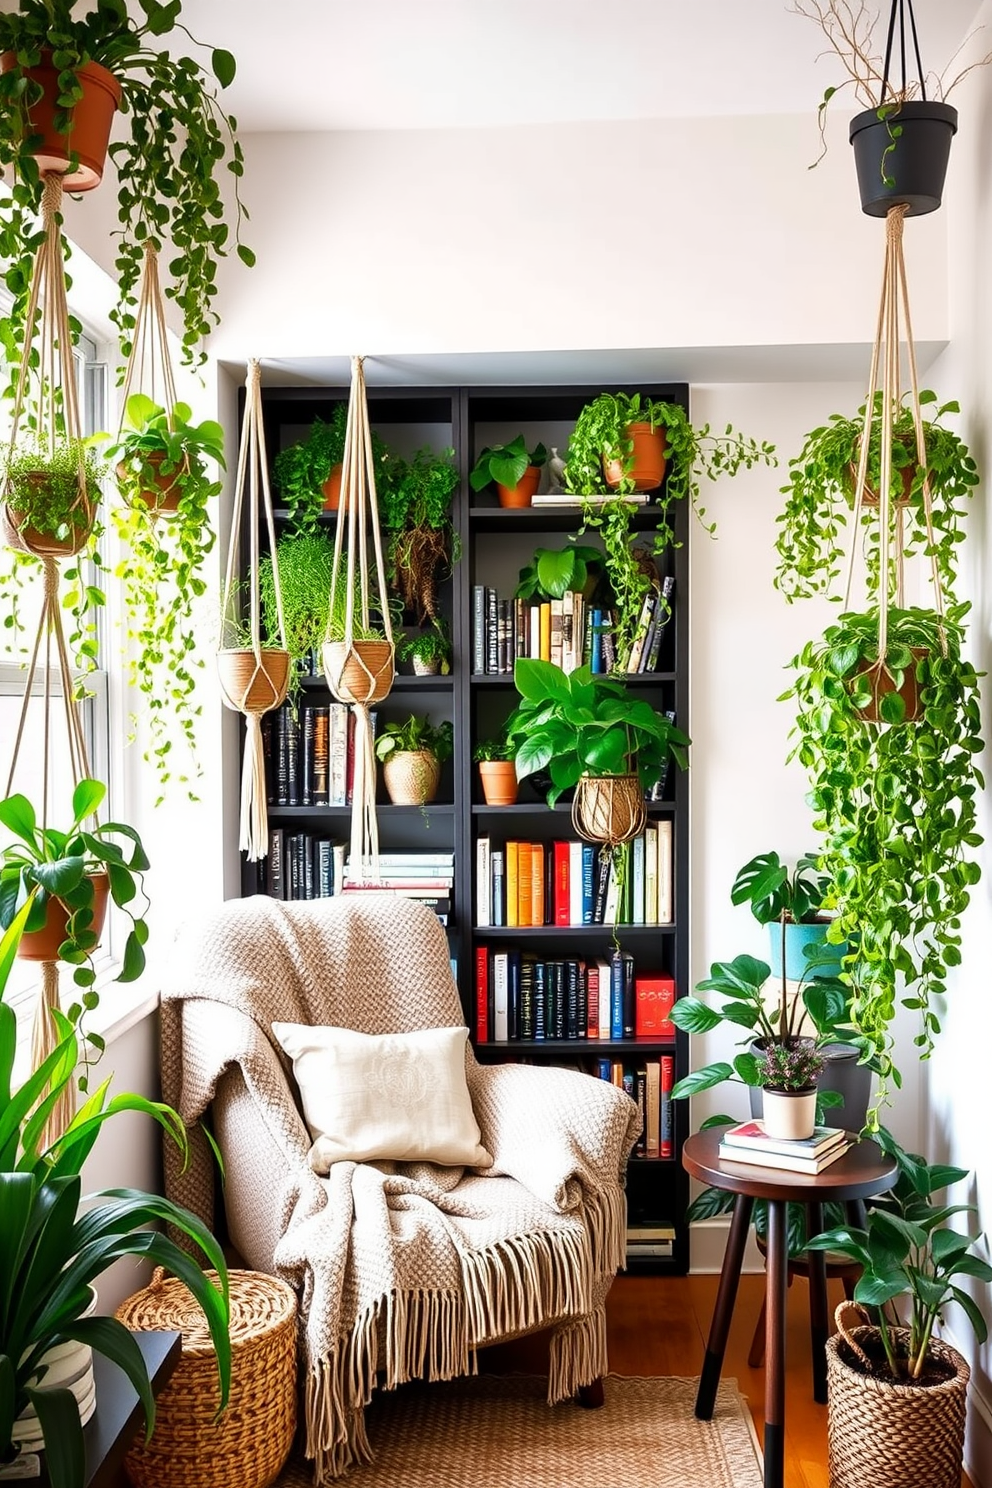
{"points": [[537, 883], [512, 873], [524, 884], [546, 631]]}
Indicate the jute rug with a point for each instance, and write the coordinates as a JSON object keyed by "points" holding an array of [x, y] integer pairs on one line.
{"points": [[496, 1431]]}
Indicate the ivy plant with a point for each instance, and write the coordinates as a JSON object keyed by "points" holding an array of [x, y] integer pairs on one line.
{"points": [[896, 804], [177, 141], [819, 503]]}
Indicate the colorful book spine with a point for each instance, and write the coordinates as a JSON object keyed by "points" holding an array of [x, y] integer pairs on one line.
{"points": [[666, 1140], [481, 995]]}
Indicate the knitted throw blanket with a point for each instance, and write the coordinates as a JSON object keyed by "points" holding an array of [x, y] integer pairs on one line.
{"points": [[402, 1270]]}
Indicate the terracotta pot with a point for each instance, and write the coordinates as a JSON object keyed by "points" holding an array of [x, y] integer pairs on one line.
{"points": [[332, 488], [412, 777], [161, 492], [609, 808], [24, 539], [647, 470], [361, 673], [92, 118], [499, 782], [789, 1114], [882, 683], [43, 944], [522, 492], [250, 683]]}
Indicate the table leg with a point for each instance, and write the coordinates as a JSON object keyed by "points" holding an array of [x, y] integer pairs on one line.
{"points": [[857, 1214], [730, 1275], [776, 1282], [818, 1325]]}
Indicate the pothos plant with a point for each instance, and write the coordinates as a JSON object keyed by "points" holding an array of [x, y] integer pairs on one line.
{"points": [[176, 142], [301, 470], [601, 434], [820, 497], [895, 801], [161, 453], [415, 514]]}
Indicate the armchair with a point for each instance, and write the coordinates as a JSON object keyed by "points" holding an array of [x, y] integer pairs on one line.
{"points": [[403, 1269]]}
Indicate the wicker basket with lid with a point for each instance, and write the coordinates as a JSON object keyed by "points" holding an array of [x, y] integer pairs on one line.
{"points": [[247, 1445]]}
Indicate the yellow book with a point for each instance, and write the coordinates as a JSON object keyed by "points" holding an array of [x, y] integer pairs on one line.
{"points": [[524, 883], [546, 631], [537, 883], [512, 874]]}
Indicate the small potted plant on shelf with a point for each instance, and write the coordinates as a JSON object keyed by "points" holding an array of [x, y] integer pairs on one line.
{"points": [[791, 905], [821, 490], [56, 1246], [429, 650], [497, 770], [168, 161], [308, 474], [514, 470], [161, 463], [69, 876], [890, 745], [415, 515], [894, 1391], [592, 735], [412, 754], [305, 562]]}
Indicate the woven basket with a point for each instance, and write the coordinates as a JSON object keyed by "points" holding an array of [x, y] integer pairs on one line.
{"points": [[251, 684], [412, 777], [893, 1435], [360, 673], [247, 1445], [609, 809]]}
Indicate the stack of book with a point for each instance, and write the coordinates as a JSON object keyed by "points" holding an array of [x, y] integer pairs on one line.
{"points": [[428, 877], [750, 1143]]}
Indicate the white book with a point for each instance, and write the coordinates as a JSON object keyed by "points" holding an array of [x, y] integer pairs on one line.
{"points": [[633, 660], [575, 883], [637, 881], [337, 862], [568, 662], [612, 897], [535, 632], [338, 755], [578, 629], [666, 908], [501, 983], [483, 883], [651, 874], [604, 1000]]}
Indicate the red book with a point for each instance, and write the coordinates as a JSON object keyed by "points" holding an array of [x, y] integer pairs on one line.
{"points": [[481, 995], [563, 906], [654, 996], [666, 1145]]}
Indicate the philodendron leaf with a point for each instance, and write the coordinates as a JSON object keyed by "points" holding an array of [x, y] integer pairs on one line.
{"points": [[17, 815], [87, 798], [701, 1079], [556, 572], [537, 680], [224, 66]]}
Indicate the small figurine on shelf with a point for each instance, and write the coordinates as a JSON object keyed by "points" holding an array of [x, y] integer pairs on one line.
{"points": [[556, 473]]}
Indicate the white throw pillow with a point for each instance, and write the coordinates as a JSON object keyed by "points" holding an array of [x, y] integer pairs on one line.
{"points": [[401, 1096]]}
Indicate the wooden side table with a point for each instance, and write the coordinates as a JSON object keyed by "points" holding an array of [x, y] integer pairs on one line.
{"points": [[863, 1171]]}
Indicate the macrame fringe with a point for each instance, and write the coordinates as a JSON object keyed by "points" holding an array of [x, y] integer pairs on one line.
{"points": [[364, 822], [45, 1039], [254, 838]]}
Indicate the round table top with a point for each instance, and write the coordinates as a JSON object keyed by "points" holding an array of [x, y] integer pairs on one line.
{"points": [[864, 1170]]}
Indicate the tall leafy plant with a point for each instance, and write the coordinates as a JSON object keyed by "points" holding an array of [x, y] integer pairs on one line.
{"points": [[415, 513]]}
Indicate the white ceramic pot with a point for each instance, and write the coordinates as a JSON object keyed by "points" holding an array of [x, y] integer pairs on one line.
{"points": [[69, 1367], [789, 1114]]}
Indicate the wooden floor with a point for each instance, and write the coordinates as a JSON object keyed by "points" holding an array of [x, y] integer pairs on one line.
{"points": [[658, 1325]]}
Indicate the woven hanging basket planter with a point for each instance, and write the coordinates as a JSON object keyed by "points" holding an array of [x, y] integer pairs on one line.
{"points": [[92, 118], [253, 682], [359, 671], [893, 1435], [412, 777], [247, 1445], [25, 539], [609, 808]]}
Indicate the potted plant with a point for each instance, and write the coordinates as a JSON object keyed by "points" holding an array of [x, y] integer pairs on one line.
{"points": [[895, 801], [308, 474], [787, 1073], [161, 464], [56, 1246], [177, 143], [363, 670], [552, 572], [415, 514], [591, 734], [893, 1390], [512, 468], [790, 904], [51, 496], [305, 563], [820, 496], [430, 651], [497, 770], [412, 754], [68, 877]]}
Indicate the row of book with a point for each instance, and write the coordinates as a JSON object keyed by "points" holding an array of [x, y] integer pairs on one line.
{"points": [[649, 1084], [304, 865], [310, 754], [520, 996], [565, 883], [568, 632], [749, 1143]]}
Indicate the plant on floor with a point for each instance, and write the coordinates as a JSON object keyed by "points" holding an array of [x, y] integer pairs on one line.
{"points": [[895, 801], [908, 1253], [552, 572], [305, 563], [820, 497], [415, 515], [161, 461], [55, 1247], [168, 162]]}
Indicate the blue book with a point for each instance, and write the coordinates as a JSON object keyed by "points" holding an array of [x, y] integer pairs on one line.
{"points": [[604, 1069], [588, 875], [616, 995], [596, 656], [540, 1000]]}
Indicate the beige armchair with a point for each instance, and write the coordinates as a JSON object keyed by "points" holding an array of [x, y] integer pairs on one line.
{"points": [[403, 1269]]}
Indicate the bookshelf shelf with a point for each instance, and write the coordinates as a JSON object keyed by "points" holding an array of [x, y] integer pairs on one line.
{"points": [[495, 544]]}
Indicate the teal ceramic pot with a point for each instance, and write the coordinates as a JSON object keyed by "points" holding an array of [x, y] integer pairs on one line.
{"points": [[797, 961]]}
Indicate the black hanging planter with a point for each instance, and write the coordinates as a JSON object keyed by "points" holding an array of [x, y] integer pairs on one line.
{"points": [[902, 158]]}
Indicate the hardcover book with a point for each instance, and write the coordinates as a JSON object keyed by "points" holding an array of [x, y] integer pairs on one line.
{"points": [[752, 1134], [788, 1161]]}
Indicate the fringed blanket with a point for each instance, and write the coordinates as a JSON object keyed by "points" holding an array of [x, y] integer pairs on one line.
{"points": [[403, 1270]]}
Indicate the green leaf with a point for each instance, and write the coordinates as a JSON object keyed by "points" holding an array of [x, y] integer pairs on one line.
{"points": [[115, 1342], [701, 1079], [224, 66], [17, 815], [537, 680], [86, 799], [58, 1417], [694, 1016]]}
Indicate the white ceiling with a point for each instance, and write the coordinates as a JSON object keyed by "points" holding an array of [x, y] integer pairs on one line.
{"points": [[426, 64]]}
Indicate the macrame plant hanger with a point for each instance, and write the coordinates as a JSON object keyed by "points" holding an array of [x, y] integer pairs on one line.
{"points": [[57, 402], [149, 366], [358, 668], [254, 678]]}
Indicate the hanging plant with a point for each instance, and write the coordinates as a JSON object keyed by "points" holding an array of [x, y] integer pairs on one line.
{"points": [[415, 514], [177, 142], [304, 562]]}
